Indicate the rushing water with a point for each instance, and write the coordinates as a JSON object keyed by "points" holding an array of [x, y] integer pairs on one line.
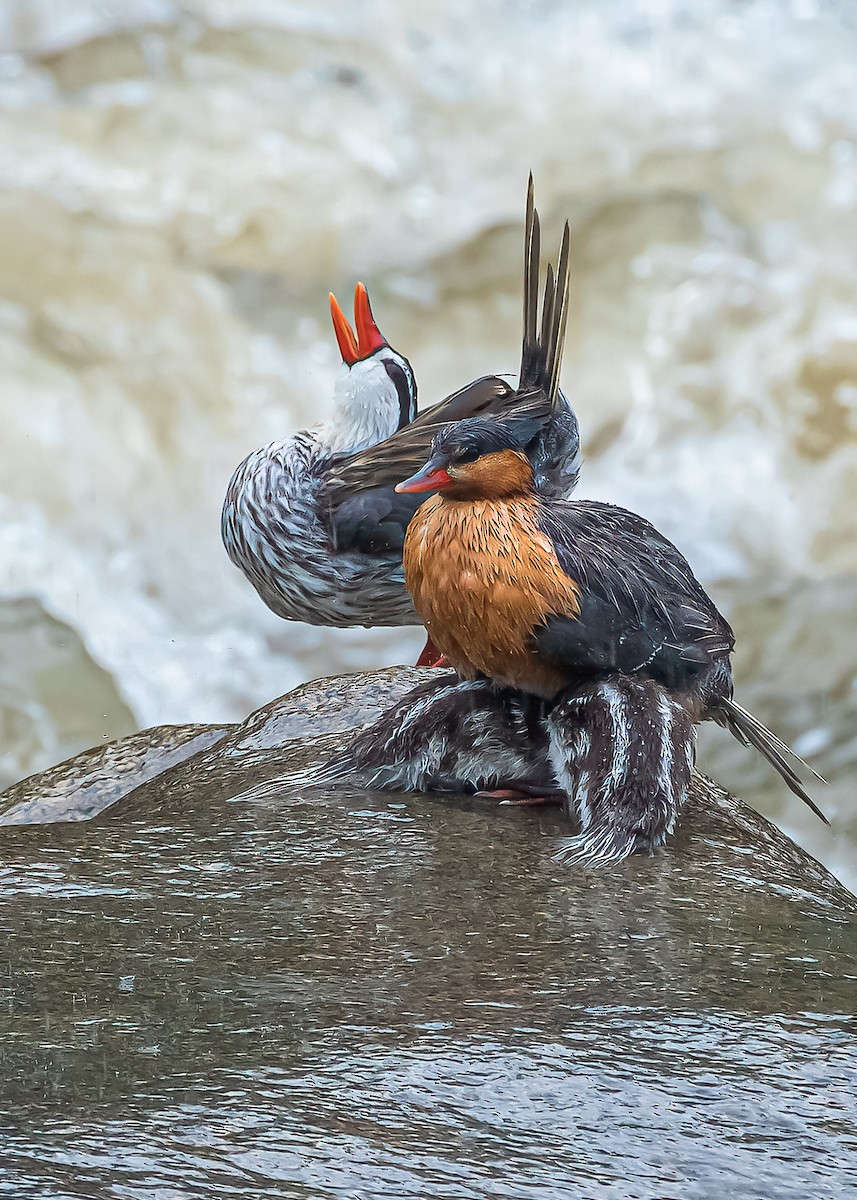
{"points": [[181, 183]]}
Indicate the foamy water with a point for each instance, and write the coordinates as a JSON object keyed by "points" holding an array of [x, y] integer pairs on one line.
{"points": [[180, 185]]}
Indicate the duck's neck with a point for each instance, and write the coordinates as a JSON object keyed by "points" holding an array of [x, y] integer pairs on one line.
{"points": [[365, 410]]}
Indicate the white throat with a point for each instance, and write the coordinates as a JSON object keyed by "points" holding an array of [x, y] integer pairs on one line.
{"points": [[365, 408]]}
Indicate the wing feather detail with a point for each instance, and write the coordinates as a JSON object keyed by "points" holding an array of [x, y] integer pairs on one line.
{"points": [[398, 456], [642, 609]]}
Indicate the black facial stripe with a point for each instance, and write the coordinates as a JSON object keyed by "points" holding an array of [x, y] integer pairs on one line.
{"points": [[403, 390]]}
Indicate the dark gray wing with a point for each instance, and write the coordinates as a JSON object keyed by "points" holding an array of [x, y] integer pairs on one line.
{"points": [[642, 610], [404, 452], [373, 521]]}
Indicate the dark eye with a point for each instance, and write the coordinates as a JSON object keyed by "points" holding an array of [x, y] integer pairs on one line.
{"points": [[466, 456]]}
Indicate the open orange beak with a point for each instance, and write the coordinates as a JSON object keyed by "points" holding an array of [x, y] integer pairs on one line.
{"points": [[369, 338], [434, 477]]}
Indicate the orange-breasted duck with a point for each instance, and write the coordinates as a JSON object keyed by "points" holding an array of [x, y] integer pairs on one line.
{"points": [[315, 522], [543, 595]]}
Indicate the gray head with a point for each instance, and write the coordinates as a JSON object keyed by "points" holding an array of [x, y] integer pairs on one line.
{"points": [[480, 459]]}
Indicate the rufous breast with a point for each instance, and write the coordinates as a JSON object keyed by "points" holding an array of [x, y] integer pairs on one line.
{"points": [[483, 576]]}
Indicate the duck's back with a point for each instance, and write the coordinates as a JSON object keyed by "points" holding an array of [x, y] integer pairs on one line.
{"points": [[642, 609], [275, 530]]}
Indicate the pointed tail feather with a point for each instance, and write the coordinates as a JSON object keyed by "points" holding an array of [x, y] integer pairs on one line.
{"points": [[532, 254], [750, 730], [547, 324], [559, 322], [544, 334]]}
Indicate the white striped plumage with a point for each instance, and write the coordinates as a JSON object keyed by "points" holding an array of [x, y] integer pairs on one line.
{"points": [[620, 749], [274, 531], [617, 706], [628, 777], [274, 523]]}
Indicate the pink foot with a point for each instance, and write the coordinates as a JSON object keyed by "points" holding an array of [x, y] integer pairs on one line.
{"points": [[430, 656], [511, 796]]}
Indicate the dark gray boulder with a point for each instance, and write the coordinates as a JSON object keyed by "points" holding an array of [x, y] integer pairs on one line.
{"points": [[90, 782], [85, 785], [341, 994]]}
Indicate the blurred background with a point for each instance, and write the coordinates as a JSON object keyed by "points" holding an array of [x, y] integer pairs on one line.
{"points": [[182, 183]]}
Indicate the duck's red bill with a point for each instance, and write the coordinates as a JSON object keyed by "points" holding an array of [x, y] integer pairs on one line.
{"points": [[369, 336], [356, 346], [433, 480], [345, 336]]}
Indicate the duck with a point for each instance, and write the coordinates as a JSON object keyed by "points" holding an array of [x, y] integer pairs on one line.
{"points": [[320, 558], [541, 594], [315, 523], [473, 737], [556, 451], [275, 527]]}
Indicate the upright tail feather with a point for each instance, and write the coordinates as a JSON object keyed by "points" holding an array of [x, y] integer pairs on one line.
{"points": [[532, 254], [749, 730], [544, 339], [559, 315]]}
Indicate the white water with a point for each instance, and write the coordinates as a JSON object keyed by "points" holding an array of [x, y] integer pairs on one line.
{"points": [[180, 185]]}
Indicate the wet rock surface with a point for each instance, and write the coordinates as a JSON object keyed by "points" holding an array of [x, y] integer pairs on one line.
{"points": [[336, 704], [354, 994], [89, 783], [83, 786], [182, 183]]}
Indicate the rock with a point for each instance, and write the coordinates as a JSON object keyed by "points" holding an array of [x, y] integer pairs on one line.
{"points": [[368, 992], [90, 782], [173, 766], [334, 704], [83, 786]]}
